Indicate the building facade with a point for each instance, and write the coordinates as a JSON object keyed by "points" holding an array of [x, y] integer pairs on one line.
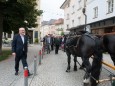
{"points": [[47, 27], [74, 18], [59, 24], [101, 16], [98, 16]]}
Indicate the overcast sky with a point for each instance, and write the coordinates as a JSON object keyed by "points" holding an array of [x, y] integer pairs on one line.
{"points": [[52, 9]]}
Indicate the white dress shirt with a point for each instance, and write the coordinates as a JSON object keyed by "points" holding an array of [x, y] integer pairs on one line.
{"points": [[22, 37]]}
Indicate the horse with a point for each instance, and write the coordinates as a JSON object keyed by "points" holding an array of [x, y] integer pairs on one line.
{"points": [[69, 47], [86, 46], [108, 44]]}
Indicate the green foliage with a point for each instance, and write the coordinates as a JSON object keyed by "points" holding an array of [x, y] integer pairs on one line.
{"points": [[62, 33], [36, 40], [17, 11], [5, 54]]}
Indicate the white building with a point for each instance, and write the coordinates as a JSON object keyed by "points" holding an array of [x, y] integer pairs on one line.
{"points": [[47, 27], [74, 18], [101, 15], [59, 24]]}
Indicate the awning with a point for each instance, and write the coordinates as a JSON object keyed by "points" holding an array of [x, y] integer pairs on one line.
{"points": [[77, 28]]}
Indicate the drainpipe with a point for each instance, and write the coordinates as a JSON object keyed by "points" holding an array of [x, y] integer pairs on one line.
{"points": [[84, 12]]}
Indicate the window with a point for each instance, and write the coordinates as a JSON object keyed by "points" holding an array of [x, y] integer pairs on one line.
{"points": [[68, 4], [79, 4], [73, 9], [110, 6], [36, 34], [79, 20], [67, 26], [9, 35], [95, 12], [67, 16], [73, 23]]}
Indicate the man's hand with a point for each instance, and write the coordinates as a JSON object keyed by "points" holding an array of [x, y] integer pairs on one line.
{"points": [[14, 54]]}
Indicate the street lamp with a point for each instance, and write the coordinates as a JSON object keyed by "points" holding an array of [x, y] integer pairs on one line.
{"points": [[84, 12]]}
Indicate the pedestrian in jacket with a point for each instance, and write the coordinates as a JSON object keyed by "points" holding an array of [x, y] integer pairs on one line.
{"points": [[19, 49]]}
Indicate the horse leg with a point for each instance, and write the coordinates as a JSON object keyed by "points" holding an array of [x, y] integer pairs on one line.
{"points": [[69, 61], [113, 58], [96, 68], [88, 69], [75, 65], [82, 66]]}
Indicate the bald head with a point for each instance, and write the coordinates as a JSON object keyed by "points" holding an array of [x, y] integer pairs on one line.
{"points": [[22, 31]]}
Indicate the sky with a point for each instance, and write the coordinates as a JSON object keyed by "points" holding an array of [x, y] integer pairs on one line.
{"points": [[52, 9]]}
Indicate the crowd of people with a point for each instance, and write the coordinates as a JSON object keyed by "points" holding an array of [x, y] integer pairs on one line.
{"points": [[51, 42]]}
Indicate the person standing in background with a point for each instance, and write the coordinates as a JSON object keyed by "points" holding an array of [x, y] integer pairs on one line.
{"points": [[57, 43], [19, 49], [48, 43], [52, 42]]}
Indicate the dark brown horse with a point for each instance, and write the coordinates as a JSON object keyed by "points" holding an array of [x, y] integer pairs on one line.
{"points": [[70, 45], [108, 42], [86, 46]]}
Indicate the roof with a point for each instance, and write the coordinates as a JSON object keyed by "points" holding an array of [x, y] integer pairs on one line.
{"points": [[51, 22], [59, 21], [76, 28], [64, 4]]}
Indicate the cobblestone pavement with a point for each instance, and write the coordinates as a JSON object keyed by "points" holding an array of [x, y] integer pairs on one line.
{"points": [[50, 73]]}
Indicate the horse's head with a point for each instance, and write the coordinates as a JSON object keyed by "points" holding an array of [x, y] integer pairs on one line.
{"points": [[71, 41]]}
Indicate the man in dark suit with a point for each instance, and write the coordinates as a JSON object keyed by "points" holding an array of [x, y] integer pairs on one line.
{"points": [[57, 43], [52, 42], [19, 49]]}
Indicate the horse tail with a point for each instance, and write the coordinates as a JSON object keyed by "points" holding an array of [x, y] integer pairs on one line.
{"points": [[96, 66]]}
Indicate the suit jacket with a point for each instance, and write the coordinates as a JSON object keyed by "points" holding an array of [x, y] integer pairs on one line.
{"points": [[57, 41], [52, 40], [17, 45]]}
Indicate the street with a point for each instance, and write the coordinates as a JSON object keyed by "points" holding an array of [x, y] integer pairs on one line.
{"points": [[51, 72]]}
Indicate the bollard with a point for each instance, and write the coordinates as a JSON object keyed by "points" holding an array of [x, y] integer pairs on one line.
{"points": [[25, 76], [39, 56], [42, 52], [35, 65]]}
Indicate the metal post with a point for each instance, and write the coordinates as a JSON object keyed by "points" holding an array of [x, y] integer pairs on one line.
{"points": [[84, 12], [35, 65], [42, 52], [85, 21], [25, 76], [39, 56]]}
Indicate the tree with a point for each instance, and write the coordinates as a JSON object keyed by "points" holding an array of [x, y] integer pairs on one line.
{"points": [[62, 33], [13, 13]]}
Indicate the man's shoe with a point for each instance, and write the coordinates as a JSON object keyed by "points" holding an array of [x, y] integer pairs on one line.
{"points": [[16, 73], [29, 74]]}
